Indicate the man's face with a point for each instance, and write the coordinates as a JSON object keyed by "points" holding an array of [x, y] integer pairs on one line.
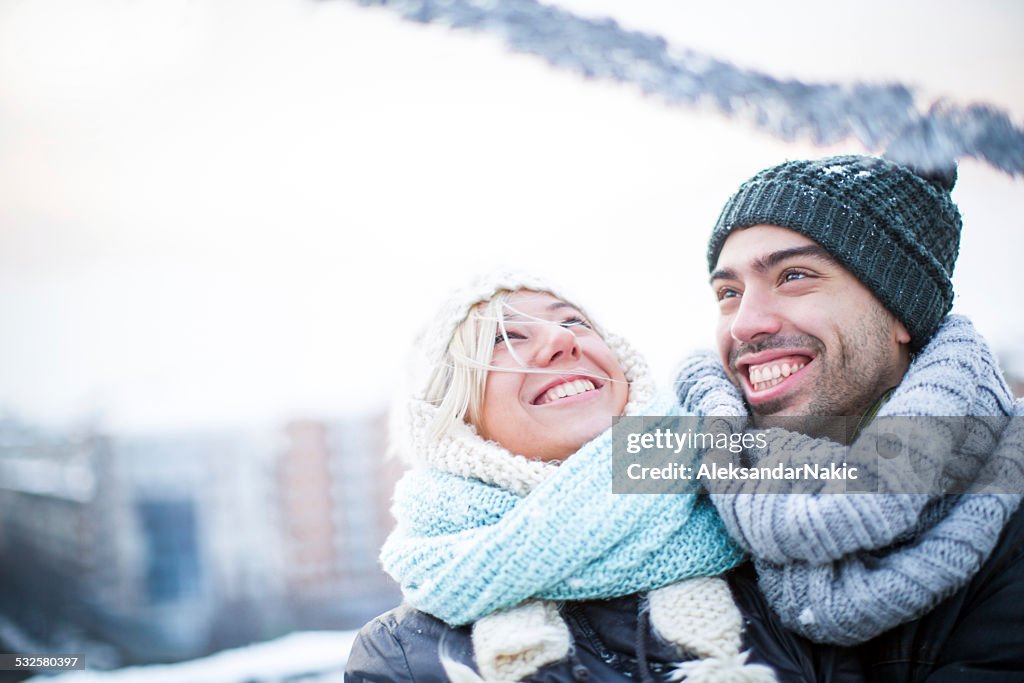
{"points": [[797, 332]]}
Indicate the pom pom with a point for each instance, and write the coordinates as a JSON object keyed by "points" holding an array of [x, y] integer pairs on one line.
{"points": [[732, 669], [942, 177]]}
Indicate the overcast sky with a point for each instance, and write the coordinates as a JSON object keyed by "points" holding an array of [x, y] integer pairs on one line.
{"points": [[217, 213]]}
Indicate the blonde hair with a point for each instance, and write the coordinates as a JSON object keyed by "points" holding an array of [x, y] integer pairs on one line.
{"points": [[457, 384]]}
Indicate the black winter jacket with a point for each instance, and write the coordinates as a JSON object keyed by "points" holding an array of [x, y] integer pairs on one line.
{"points": [[613, 643], [976, 635]]}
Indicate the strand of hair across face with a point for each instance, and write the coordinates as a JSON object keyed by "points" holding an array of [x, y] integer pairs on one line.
{"points": [[523, 367]]}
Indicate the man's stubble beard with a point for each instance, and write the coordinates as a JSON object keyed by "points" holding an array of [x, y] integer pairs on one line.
{"points": [[848, 382]]}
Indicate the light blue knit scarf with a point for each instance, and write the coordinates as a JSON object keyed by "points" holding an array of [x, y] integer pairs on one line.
{"points": [[463, 548], [843, 568]]}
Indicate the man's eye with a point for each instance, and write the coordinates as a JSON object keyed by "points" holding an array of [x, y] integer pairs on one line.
{"points": [[726, 293], [791, 275], [575, 322]]}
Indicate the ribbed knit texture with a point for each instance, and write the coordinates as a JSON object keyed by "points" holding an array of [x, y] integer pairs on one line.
{"points": [[843, 568], [896, 231]]}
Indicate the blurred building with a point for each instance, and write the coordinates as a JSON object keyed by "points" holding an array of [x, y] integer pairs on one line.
{"points": [[334, 490], [205, 548], [55, 545], [151, 548]]}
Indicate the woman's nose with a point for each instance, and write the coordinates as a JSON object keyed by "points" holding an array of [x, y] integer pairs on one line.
{"points": [[555, 343]]}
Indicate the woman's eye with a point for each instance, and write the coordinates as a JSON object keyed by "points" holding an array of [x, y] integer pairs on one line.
{"points": [[507, 336], [575, 322]]}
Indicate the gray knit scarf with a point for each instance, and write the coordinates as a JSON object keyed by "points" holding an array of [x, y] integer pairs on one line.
{"points": [[843, 568]]}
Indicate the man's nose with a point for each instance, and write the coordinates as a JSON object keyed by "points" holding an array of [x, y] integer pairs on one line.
{"points": [[555, 343], [756, 316]]}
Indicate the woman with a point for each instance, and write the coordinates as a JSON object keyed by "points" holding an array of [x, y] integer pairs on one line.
{"points": [[510, 510]]}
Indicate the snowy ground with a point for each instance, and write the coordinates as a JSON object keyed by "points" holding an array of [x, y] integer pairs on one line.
{"points": [[312, 656]]}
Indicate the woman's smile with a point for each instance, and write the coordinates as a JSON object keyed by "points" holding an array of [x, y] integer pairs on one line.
{"points": [[553, 384], [572, 386]]}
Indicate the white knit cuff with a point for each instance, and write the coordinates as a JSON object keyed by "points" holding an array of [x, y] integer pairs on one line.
{"points": [[512, 644]]}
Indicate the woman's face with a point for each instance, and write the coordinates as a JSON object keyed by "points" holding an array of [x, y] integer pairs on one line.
{"points": [[548, 415]]}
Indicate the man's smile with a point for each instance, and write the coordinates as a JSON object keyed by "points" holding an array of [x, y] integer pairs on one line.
{"points": [[769, 374]]}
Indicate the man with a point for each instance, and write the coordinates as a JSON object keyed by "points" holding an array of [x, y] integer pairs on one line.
{"points": [[833, 283]]}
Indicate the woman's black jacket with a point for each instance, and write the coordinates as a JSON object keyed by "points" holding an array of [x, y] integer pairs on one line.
{"points": [[613, 642]]}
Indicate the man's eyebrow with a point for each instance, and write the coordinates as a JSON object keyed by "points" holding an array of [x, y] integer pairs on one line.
{"points": [[765, 263], [722, 274]]}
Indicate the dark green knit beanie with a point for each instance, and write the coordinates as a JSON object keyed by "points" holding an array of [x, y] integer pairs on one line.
{"points": [[897, 231]]}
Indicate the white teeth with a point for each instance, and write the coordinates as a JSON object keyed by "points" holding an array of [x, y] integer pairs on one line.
{"points": [[567, 389], [765, 377], [761, 386]]}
